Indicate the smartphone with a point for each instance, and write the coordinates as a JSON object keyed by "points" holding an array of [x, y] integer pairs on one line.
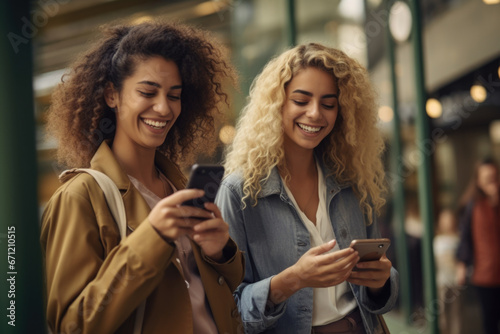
{"points": [[206, 178], [370, 249]]}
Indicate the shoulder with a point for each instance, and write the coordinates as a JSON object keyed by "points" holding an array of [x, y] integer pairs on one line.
{"points": [[233, 182], [78, 205], [230, 193], [78, 191], [78, 184]]}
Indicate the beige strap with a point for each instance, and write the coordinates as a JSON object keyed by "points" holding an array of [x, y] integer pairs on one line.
{"points": [[117, 208]]}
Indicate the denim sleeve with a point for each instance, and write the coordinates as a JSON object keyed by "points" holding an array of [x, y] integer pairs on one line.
{"points": [[384, 302], [251, 296]]}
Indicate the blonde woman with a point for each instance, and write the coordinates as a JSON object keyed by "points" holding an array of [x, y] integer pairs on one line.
{"points": [[304, 179]]}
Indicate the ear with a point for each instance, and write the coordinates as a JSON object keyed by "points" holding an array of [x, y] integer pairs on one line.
{"points": [[111, 95]]}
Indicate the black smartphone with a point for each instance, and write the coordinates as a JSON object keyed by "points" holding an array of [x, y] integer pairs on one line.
{"points": [[206, 178], [370, 249]]}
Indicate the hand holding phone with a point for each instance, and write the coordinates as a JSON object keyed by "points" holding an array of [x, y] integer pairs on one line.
{"points": [[206, 178], [370, 249]]}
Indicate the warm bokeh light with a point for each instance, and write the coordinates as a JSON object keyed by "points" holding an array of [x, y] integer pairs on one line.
{"points": [[433, 108], [478, 93], [495, 132], [208, 8], [142, 19], [385, 113], [499, 71], [491, 2], [226, 134]]}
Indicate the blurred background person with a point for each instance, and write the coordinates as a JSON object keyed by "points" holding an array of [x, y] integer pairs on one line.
{"points": [[445, 246], [480, 241]]}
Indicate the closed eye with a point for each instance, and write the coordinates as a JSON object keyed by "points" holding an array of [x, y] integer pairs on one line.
{"points": [[174, 97], [300, 103], [146, 94]]}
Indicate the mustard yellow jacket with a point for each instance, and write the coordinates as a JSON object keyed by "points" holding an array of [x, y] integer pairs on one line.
{"points": [[95, 282]]}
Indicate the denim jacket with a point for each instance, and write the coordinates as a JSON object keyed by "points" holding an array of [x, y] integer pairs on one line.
{"points": [[273, 238]]}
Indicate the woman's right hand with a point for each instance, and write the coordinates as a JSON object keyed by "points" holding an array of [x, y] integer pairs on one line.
{"points": [[172, 220], [319, 269], [316, 268]]}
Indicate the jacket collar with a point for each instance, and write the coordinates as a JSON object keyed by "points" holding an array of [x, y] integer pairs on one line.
{"points": [[135, 206], [274, 185]]}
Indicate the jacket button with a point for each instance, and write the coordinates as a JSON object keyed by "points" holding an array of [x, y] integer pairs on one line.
{"points": [[221, 280]]}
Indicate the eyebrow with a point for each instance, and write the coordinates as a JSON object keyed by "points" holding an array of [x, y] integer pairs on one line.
{"points": [[157, 85], [300, 91]]}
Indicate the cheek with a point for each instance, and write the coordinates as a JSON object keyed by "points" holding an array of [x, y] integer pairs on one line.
{"points": [[290, 113], [332, 119]]}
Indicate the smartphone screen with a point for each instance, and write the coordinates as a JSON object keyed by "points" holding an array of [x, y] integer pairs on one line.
{"points": [[206, 178]]}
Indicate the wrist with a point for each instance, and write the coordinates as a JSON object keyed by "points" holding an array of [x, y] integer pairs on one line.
{"points": [[283, 285], [217, 257]]}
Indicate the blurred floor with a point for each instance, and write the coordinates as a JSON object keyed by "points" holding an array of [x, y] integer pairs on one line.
{"points": [[470, 318]]}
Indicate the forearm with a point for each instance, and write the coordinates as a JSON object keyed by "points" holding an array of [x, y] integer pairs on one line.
{"points": [[284, 285]]}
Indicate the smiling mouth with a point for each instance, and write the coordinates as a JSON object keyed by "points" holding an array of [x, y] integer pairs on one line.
{"points": [[155, 124], [310, 129]]}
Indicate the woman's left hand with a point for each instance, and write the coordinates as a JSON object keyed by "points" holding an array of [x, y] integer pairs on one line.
{"points": [[212, 234], [372, 274]]}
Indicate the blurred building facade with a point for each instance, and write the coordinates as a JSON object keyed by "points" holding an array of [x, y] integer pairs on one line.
{"points": [[461, 57]]}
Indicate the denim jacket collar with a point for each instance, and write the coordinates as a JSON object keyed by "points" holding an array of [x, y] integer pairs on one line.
{"points": [[274, 186]]}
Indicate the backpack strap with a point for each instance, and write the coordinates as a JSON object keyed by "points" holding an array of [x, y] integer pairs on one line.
{"points": [[112, 194], [117, 208]]}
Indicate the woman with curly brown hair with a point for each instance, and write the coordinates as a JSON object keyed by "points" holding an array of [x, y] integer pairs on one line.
{"points": [[305, 179], [139, 103]]}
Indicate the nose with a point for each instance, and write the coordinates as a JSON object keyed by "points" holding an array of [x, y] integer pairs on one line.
{"points": [[161, 106], [313, 111]]}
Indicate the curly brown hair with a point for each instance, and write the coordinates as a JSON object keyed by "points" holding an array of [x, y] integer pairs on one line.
{"points": [[80, 119]]}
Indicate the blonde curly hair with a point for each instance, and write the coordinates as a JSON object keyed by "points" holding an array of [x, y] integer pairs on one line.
{"points": [[352, 151]]}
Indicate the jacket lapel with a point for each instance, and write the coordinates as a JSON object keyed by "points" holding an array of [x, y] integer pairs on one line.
{"points": [[136, 208]]}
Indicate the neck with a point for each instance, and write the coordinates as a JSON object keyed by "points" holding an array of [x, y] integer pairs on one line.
{"points": [[136, 161], [300, 164]]}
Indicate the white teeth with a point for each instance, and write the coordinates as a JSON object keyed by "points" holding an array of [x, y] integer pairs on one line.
{"points": [[155, 124], [309, 128]]}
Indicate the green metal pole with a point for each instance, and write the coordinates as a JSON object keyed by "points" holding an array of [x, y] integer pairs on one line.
{"points": [[292, 23], [424, 175], [397, 183], [20, 265]]}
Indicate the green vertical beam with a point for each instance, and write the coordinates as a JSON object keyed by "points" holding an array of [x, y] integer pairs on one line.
{"points": [[292, 23], [397, 183], [21, 306], [424, 174]]}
